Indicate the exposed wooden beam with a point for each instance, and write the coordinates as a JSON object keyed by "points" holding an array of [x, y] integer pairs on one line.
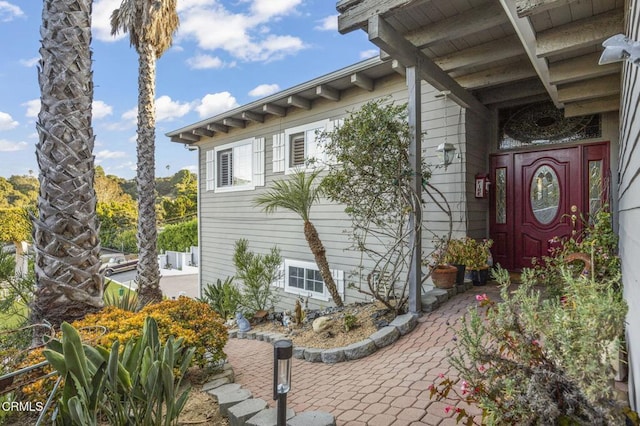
{"points": [[362, 81], [472, 21], [481, 54], [584, 32], [179, 139], [189, 137], [234, 122], [328, 92], [531, 7], [356, 14], [216, 127], [527, 36], [497, 75], [593, 106], [252, 116], [299, 102], [274, 110], [590, 89], [508, 92], [580, 68], [397, 67], [543, 97], [203, 132], [385, 37]]}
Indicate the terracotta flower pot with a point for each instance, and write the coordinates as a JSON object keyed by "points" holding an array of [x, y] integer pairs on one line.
{"points": [[444, 276]]}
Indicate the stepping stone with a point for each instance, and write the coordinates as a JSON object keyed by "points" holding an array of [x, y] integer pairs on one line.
{"points": [[227, 371], [331, 356], [215, 384], [298, 353], [251, 335], [360, 349], [231, 398], [313, 354], [268, 417], [429, 304], [239, 413], [405, 323], [385, 336], [312, 418], [440, 294], [216, 392]]}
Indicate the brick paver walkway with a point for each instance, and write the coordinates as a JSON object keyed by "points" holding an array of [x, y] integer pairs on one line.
{"points": [[387, 388]]}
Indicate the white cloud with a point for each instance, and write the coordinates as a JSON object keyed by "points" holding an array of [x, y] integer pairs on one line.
{"points": [[130, 115], [8, 146], [201, 62], [329, 23], [216, 103], [30, 62], [105, 154], [101, 20], [167, 109], [9, 11], [101, 109], [7, 122], [264, 90], [265, 9], [366, 54], [33, 107]]}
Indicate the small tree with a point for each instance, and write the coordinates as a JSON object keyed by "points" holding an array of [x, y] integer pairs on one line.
{"points": [[15, 227], [257, 273]]}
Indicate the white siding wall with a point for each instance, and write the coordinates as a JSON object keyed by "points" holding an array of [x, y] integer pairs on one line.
{"points": [[227, 217], [629, 204]]}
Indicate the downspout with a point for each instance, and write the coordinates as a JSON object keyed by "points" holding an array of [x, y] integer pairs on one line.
{"points": [[198, 216]]}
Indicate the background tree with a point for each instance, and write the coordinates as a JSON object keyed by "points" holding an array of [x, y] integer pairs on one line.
{"points": [[298, 194], [151, 25], [116, 210], [15, 227], [66, 243]]}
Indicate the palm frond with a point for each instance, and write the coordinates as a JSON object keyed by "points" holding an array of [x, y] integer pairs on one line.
{"points": [[297, 193]]}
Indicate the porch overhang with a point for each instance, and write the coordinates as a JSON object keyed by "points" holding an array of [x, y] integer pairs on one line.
{"points": [[486, 53]]}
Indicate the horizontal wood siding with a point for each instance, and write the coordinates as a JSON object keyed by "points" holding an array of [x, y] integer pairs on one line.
{"points": [[629, 204]]}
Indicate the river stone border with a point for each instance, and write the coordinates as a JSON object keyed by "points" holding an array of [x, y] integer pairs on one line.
{"points": [[400, 326]]}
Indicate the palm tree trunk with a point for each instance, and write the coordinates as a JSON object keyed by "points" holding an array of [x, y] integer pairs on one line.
{"points": [[315, 244], [148, 272], [68, 282]]}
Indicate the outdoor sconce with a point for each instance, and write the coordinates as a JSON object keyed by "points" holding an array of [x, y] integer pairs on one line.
{"points": [[620, 48], [446, 153], [282, 353]]}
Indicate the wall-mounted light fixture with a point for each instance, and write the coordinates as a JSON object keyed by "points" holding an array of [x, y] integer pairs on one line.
{"points": [[620, 48], [446, 153], [282, 353]]}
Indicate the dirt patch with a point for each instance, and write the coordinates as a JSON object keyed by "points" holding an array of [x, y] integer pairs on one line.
{"points": [[369, 318], [201, 409]]}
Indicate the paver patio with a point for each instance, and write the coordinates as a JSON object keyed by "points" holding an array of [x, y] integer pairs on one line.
{"points": [[387, 388]]}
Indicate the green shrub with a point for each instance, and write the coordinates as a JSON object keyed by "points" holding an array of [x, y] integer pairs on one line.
{"points": [[223, 297], [257, 273], [350, 322], [127, 241], [179, 237]]}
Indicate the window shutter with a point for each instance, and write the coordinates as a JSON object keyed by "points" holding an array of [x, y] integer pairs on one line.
{"points": [[278, 152], [338, 278], [258, 162], [296, 150], [210, 170], [279, 282], [225, 168]]}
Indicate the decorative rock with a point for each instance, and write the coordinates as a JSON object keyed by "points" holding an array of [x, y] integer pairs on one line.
{"points": [[331, 356], [298, 353], [313, 354], [321, 324], [312, 418], [216, 392], [251, 335], [239, 413], [268, 417], [226, 371], [359, 349], [381, 324], [385, 336], [233, 334], [215, 384], [243, 323], [405, 323], [229, 399]]}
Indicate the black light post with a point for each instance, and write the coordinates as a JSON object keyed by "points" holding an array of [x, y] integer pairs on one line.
{"points": [[282, 352]]}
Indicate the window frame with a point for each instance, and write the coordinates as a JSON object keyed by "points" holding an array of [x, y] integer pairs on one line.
{"points": [[213, 184], [288, 133], [305, 265]]}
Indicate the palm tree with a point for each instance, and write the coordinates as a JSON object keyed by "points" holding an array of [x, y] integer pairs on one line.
{"points": [[67, 247], [298, 195], [151, 25]]}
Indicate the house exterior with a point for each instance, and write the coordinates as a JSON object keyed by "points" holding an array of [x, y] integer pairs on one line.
{"points": [[543, 131]]}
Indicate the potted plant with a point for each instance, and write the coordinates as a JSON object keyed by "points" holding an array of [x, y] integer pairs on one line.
{"points": [[443, 275], [477, 259], [455, 255]]}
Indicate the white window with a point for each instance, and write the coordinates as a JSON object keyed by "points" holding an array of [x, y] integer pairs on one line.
{"points": [[236, 166], [304, 278]]}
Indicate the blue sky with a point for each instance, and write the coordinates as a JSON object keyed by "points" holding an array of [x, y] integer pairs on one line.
{"points": [[226, 53]]}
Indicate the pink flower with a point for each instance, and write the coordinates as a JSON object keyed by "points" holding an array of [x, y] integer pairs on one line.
{"points": [[481, 368], [535, 342], [441, 376], [481, 297], [447, 409], [464, 387]]}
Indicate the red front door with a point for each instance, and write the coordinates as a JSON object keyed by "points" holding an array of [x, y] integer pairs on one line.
{"points": [[539, 195]]}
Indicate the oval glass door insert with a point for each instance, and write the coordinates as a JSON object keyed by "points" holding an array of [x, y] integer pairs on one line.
{"points": [[545, 194]]}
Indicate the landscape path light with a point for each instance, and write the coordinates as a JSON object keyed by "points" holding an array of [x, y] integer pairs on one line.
{"points": [[282, 353]]}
